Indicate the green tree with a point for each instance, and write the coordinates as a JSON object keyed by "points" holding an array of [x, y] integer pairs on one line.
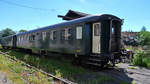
{"points": [[7, 32], [144, 38], [143, 28], [22, 30]]}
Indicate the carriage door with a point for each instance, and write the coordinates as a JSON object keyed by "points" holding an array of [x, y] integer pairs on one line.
{"points": [[96, 47]]}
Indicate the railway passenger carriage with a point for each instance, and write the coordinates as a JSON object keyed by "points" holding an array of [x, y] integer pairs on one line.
{"points": [[94, 38]]}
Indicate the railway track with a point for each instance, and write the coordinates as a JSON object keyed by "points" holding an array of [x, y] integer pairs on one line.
{"points": [[56, 79]]}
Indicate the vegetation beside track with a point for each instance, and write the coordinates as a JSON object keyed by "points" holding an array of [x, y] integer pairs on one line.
{"points": [[20, 74], [142, 58], [59, 68]]}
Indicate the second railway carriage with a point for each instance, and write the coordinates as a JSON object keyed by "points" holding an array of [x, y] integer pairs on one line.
{"points": [[95, 38]]}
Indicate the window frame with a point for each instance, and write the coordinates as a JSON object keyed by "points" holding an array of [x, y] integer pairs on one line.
{"points": [[53, 34], [65, 34], [79, 32], [97, 30], [44, 35]]}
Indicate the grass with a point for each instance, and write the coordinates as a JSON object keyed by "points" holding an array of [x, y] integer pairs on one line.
{"points": [[17, 70], [133, 67], [134, 48], [133, 82], [60, 68], [11, 75], [142, 58]]}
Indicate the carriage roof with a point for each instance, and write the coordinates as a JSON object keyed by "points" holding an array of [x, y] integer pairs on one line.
{"points": [[89, 18]]}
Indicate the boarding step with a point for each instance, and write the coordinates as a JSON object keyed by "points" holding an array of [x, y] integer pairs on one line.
{"points": [[95, 55], [94, 60]]}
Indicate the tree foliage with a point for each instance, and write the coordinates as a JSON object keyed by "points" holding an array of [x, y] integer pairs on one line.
{"points": [[144, 37], [22, 30], [143, 28], [142, 58], [7, 32]]}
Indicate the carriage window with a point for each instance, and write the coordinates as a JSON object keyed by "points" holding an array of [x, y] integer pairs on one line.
{"points": [[43, 35], [18, 39], [37, 33], [96, 29], [53, 35], [29, 37], [69, 34], [79, 32], [33, 37], [62, 34], [24, 37], [21, 38], [66, 34]]}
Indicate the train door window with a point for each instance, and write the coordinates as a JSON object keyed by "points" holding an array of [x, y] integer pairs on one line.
{"points": [[79, 32], [112, 30], [96, 29], [43, 35]]}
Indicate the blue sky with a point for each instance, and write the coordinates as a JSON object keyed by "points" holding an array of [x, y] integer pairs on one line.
{"points": [[136, 13]]}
